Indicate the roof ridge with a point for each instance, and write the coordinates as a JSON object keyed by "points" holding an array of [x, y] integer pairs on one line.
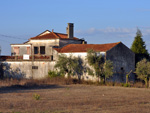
{"points": [[43, 32], [52, 35], [55, 35], [94, 44], [60, 33], [63, 34], [83, 47]]}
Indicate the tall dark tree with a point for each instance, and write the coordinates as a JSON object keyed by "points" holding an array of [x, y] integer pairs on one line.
{"points": [[139, 47]]}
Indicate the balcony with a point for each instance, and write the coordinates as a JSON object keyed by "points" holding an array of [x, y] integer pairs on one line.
{"points": [[31, 58]]}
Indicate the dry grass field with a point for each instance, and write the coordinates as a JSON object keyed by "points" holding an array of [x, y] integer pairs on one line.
{"points": [[73, 98]]}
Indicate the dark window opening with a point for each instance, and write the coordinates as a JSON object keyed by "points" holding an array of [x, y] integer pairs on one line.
{"points": [[51, 57], [42, 49], [35, 50], [34, 67], [121, 68]]}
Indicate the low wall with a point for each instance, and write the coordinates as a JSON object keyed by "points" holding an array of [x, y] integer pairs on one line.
{"points": [[26, 69], [39, 69]]}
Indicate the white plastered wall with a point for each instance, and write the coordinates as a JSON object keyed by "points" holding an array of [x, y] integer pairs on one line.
{"points": [[83, 55]]}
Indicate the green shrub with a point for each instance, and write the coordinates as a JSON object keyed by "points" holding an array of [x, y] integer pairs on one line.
{"points": [[52, 74], [126, 85], [36, 96], [122, 84], [90, 72], [110, 83]]}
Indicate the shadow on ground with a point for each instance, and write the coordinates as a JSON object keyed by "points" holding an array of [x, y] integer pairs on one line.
{"points": [[25, 88]]}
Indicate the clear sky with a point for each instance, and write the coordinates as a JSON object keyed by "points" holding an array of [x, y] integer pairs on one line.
{"points": [[97, 21]]}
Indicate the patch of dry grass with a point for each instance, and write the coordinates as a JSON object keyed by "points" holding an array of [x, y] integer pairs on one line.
{"points": [[17, 96], [36, 82], [62, 95], [62, 81]]}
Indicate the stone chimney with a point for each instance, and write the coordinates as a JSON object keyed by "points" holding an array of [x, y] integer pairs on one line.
{"points": [[70, 30]]}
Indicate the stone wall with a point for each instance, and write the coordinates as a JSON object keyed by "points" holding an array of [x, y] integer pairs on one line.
{"points": [[123, 61], [27, 69]]}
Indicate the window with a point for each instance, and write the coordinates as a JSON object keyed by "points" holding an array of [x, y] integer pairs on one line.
{"points": [[16, 50], [36, 50], [34, 67], [28, 50], [51, 57], [42, 49], [121, 68]]}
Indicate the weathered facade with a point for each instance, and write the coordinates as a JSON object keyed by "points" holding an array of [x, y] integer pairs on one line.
{"points": [[123, 61], [27, 69], [122, 57], [43, 43], [34, 58]]}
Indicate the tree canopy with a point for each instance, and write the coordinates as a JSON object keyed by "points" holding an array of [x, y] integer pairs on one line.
{"points": [[139, 47], [103, 69], [69, 65], [143, 70]]}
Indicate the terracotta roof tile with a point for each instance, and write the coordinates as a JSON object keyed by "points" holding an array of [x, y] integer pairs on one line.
{"points": [[52, 35], [70, 48], [63, 36], [46, 36]]}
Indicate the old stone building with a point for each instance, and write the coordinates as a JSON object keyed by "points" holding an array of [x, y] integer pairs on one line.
{"points": [[122, 57], [34, 58]]}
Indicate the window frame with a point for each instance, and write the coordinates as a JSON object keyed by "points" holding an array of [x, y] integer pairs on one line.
{"points": [[28, 50], [16, 50], [36, 52], [42, 50]]}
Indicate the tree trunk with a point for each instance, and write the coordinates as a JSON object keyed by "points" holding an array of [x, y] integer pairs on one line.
{"points": [[99, 79], [146, 82], [79, 78], [104, 79], [127, 76], [149, 81]]}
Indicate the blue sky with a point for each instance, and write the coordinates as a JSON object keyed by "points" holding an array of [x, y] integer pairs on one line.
{"points": [[97, 21]]}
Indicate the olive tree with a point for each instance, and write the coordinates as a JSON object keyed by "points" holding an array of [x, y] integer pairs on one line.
{"points": [[143, 70], [103, 68], [69, 65], [108, 69]]}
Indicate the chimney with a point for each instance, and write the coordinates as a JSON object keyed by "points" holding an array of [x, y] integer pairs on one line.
{"points": [[70, 30]]}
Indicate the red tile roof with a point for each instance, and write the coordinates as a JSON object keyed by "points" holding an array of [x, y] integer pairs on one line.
{"points": [[71, 48], [52, 35]]}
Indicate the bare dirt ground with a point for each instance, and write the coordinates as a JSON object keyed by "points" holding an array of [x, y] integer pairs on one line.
{"points": [[74, 99]]}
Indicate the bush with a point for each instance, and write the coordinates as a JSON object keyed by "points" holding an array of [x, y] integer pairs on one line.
{"points": [[52, 74], [110, 83], [36, 96], [127, 85], [90, 72], [139, 84]]}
